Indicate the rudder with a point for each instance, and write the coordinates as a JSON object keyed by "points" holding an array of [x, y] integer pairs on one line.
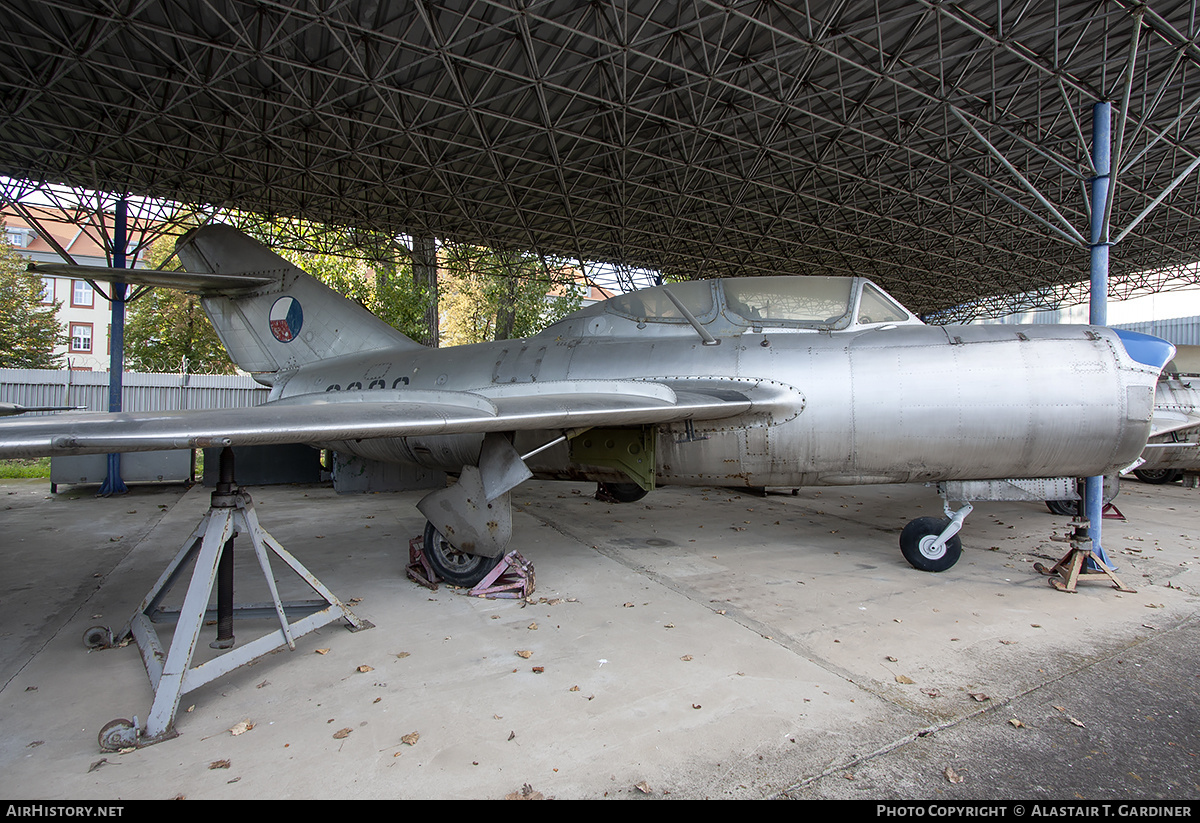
{"points": [[292, 321]]}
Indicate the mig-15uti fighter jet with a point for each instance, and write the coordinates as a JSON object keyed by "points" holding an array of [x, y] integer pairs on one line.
{"points": [[762, 381], [1175, 447]]}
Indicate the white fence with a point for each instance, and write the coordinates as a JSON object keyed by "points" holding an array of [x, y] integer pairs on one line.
{"points": [[141, 392]]}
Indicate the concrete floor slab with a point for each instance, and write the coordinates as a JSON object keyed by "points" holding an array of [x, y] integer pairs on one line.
{"points": [[698, 643]]}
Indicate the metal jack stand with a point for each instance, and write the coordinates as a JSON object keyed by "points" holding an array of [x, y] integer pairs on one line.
{"points": [[1111, 512], [1080, 561], [211, 546]]}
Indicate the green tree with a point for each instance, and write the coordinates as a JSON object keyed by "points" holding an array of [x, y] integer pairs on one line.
{"points": [[383, 287], [167, 330], [488, 294], [29, 331], [166, 327]]}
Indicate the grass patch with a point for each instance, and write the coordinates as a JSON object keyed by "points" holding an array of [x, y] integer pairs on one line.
{"points": [[35, 467]]}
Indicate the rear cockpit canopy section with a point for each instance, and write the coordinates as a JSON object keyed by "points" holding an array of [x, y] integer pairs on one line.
{"points": [[733, 306]]}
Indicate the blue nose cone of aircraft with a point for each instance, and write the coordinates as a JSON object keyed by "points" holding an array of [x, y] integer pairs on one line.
{"points": [[1144, 348]]}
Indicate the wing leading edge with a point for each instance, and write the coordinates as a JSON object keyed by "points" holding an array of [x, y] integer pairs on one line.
{"points": [[327, 417]]}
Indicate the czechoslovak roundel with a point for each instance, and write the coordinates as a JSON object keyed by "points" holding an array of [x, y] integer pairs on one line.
{"points": [[286, 319]]}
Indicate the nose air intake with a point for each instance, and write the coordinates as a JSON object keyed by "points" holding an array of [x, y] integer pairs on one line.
{"points": [[1146, 349]]}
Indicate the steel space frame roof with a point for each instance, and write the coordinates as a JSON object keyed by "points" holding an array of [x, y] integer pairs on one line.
{"points": [[939, 148]]}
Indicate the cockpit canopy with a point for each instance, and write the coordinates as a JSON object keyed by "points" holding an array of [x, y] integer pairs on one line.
{"points": [[798, 302]]}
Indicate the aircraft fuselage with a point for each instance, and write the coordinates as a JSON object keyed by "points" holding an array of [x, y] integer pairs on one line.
{"points": [[909, 403]]}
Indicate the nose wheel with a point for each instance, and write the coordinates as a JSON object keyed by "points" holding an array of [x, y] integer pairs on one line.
{"points": [[924, 550], [931, 544], [456, 567]]}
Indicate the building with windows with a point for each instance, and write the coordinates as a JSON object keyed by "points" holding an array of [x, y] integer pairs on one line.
{"points": [[85, 314]]}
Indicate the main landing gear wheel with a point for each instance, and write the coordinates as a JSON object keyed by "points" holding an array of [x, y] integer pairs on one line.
{"points": [[622, 492], [917, 539], [1157, 476], [1063, 508], [458, 568]]}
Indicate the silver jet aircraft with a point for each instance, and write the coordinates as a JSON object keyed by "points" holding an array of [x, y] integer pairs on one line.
{"points": [[1175, 446], [766, 381]]}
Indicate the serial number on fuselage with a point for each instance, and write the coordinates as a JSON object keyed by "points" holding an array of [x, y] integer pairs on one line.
{"points": [[373, 384]]}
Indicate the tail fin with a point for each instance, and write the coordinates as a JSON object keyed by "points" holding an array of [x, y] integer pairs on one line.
{"points": [[292, 320]]}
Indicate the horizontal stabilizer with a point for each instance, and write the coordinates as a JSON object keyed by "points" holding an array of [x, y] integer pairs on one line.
{"points": [[203, 282]]}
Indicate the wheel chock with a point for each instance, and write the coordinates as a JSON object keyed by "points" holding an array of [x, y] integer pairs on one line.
{"points": [[418, 569], [511, 579]]}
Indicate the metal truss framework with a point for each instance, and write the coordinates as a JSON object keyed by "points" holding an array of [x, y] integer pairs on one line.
{"points": [[940, 148]]}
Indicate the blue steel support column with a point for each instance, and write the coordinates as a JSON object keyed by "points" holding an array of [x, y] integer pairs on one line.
{"points": [[113, 484], [1098, 304]]}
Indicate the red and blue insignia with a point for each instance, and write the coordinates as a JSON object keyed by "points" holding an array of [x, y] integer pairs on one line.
{"points": [[286, 319]]}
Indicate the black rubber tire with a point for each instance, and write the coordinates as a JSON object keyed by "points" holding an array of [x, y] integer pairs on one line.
{"points": [[1157, 476], [923, 531], [623, 492], [1063, 508], [455, 567]]}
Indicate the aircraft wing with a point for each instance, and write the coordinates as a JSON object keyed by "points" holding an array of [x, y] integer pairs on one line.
{"points": [[1176, 407], [1172, 420], [325, 417]]}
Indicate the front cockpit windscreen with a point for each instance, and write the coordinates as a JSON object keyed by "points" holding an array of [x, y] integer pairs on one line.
{"points": [[876, 307], [653, 305], [800, 301]]}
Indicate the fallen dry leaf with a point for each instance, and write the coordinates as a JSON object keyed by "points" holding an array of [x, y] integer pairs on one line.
{"points": [[1076, 721], [525, 653], [411, 738], [952, 776], [686, 658], [642, 786], [322, 651], [241, 728], [219, 764], [342, 734], [906, 680], [1016, 724], [526, 793], [979, 697], [364, 669]]}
